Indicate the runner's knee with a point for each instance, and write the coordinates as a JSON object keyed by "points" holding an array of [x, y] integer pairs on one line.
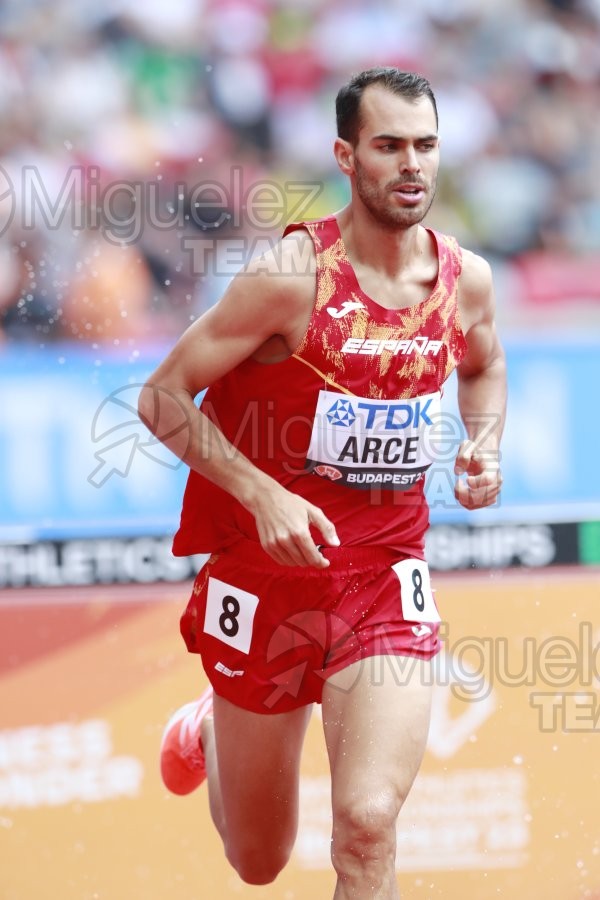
{"points": [[364, 829]]}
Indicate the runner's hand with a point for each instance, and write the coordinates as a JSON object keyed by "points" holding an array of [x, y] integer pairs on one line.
{"points": [[484, 479], [283, 520]]}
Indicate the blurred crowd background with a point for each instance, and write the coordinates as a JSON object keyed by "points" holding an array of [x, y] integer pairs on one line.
{"points": [[146, 149]]}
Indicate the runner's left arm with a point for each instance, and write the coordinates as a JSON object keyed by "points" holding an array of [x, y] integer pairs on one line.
{"points": [[481, 389]]}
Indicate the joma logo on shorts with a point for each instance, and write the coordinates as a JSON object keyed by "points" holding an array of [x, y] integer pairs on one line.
{"points": [[421, 345]]}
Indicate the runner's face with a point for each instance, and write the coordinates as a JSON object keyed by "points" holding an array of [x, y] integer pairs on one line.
{"points": [[396, 158]]}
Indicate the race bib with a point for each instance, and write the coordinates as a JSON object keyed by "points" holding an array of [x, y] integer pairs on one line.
{"points": [[230, 614], [416, 595], [361, 442]]}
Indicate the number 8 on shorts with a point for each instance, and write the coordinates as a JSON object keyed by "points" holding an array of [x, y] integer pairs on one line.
{"points": [[230, 614], [416, 595]]}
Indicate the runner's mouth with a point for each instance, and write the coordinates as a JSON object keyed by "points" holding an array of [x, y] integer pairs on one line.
{"points": [[409, 191]]}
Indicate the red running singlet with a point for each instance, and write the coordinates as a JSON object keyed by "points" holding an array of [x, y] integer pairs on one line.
{"points": [[347, 421]]}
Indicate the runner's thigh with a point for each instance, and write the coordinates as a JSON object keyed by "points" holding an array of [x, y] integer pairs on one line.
{"points": [[376, 718]]}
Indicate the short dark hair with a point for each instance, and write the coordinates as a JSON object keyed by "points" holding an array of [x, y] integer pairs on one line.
{"points": [[347, 102]]}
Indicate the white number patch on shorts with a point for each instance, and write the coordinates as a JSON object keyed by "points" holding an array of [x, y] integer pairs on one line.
{"points": [[230, 614], [416, 596]]}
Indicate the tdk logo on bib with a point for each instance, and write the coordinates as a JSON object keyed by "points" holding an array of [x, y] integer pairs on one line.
{"points": [[373, 442], [398, 415]]}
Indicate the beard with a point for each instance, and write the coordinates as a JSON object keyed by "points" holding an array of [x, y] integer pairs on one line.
{"points": [[379, 202]]}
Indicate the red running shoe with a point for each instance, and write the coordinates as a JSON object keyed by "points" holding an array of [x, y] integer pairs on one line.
{"points": [[182, 764]]}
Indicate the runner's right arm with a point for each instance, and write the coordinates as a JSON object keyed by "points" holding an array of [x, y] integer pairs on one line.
{"points": [[257, 306]]}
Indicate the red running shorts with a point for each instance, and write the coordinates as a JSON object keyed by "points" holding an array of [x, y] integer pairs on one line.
{"points": [[270, 635]]}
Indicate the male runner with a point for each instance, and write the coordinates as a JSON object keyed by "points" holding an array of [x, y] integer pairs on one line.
{"points": [[325, 360]]}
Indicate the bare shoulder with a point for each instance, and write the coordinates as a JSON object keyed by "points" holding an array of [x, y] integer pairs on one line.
{"points": [[273, 294], [476, 275], [475, 290], [293, 256], [264, 313]]}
